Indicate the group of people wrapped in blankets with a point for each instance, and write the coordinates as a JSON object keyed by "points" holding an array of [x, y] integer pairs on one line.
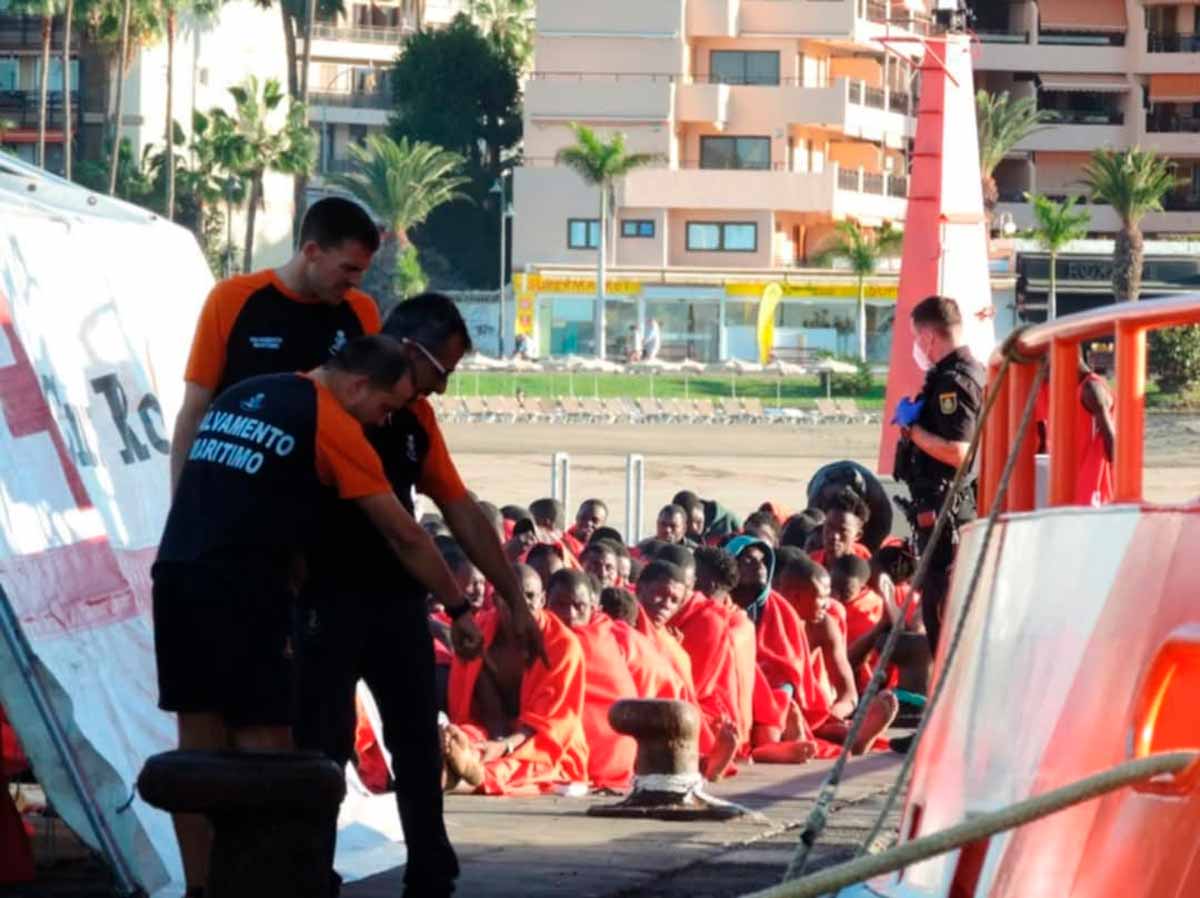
{"points": [[768, 627]]}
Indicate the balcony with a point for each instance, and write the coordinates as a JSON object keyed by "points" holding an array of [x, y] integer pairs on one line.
{"points": [[1157, 123], [614, 18], [390, 35], [21, 108], [600, 96], [369, 108], [375, 99], [1181, 202], [1157, 42], [835, 192], [25, 32], [1082, 38], [1180, 215], [1003, 37]]}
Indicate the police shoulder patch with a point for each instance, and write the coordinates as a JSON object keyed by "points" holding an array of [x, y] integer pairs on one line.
{"points": [[948, 403]]}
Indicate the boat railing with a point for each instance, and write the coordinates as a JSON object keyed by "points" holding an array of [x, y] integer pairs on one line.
{"points": [[1058, 342]]}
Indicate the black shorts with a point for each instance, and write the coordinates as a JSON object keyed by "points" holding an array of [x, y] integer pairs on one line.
{"points": [[221, 642]]}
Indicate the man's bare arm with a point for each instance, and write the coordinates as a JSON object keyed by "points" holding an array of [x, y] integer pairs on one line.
{"points": [[196, 400], [948, 452], [1095, 400], [478, 539], [841, 675]]}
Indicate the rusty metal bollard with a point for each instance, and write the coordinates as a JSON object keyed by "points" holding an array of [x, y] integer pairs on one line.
{"points": [[270, 815], [667, 784]]}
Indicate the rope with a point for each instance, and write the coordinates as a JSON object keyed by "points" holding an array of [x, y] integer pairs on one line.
{"points": [[981, 826], [819, 815], [960, 625]]}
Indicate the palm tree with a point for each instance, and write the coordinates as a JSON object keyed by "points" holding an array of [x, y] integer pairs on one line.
{"points": [[1133, 182], [1003, 123], [171, 9], [601, 163], [298, 17], [252, 148], [1056, 225], [124, 25], [402, 183], [864, 251], [68, 127], [510, 24]]}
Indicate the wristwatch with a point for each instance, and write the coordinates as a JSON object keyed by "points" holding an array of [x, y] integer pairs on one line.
{"points": [[458, 610]]}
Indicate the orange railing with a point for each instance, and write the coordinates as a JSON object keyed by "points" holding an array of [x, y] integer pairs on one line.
{"points": [[1128, 324]]}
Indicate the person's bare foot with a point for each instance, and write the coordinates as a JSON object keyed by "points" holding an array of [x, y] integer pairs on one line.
{"points": [[793, 724], [723, 751], [462, 761], [790, 752], [880, 714]]}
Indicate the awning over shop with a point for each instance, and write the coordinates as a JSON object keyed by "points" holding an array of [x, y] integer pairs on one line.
{"points": [[1106, 84], [1175, 88], [1083, 15]]}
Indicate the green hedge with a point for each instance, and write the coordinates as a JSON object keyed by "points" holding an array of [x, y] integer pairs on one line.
{"points": [[791, 391]]}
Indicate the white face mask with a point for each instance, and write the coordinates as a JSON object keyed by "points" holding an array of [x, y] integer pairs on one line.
{"points": [[923, 361]]}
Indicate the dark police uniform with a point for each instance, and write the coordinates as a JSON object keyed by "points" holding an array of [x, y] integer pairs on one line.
{"points": [[368, 620], [268, 455], [953, 395]]}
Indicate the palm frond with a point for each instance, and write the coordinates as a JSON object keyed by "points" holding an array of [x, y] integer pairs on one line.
{"points": [[1003, 122], [852, 244], [601, 162], [1134, 182], [1057, 224], [402, 182]]}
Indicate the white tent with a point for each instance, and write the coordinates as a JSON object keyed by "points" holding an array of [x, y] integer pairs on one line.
{"points": [[98, 300]]}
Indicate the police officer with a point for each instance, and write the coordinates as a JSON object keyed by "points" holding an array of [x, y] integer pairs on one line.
{"points": [[936, 430]]}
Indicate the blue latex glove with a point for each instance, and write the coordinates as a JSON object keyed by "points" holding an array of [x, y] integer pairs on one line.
{"points": [[908, 411]]}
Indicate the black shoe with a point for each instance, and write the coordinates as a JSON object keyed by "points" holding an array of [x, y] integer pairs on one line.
{"points": [[901, 744]]}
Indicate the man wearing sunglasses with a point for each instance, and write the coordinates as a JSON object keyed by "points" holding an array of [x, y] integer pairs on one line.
{"points": [[354, 628]]}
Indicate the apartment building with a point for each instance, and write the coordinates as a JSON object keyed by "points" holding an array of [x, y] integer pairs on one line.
{"points": [[772, 120], [20, 90], [348, 75], [1113, 73]]}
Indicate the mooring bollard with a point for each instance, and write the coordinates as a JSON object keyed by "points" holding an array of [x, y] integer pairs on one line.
{"points": [[667, 784], [560, 479], [270, 815], [635, 497]]}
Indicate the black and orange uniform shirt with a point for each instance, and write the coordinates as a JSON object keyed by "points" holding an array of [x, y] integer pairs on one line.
{"points": [[253, 324], [268, 453], [415, 459]]}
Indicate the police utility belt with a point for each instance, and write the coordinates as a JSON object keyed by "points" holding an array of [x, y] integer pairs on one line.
{"points": [[928, 493]]}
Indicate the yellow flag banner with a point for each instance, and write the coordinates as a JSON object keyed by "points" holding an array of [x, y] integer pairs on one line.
{"points": [[526, 305], [766, 321]]}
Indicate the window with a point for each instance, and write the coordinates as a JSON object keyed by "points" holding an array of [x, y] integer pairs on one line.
{"points": [[743, 67], [722, 237], [635, 227], [358, 135], [735, 152], [10, 73], [583, 233], [55, 81]]}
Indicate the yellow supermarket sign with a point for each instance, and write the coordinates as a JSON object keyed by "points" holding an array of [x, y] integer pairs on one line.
{"points": [[585, 286], [582, 286], [801, 291]]}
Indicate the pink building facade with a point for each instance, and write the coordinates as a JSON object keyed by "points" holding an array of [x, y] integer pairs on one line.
{"points": [[772, 119]]}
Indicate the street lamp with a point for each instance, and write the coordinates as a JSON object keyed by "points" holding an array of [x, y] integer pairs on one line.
{"points": [[506, 212]]}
